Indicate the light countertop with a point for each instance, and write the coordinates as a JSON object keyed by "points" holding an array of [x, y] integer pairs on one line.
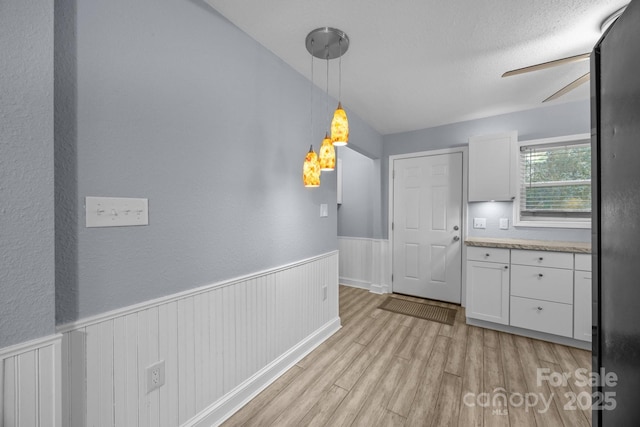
{"points": [[537, 245]]}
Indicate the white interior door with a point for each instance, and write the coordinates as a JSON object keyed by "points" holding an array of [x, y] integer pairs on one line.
{"points": [[427, 221]]}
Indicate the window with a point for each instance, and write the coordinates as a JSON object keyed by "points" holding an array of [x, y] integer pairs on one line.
{"points": [[555, 182]]}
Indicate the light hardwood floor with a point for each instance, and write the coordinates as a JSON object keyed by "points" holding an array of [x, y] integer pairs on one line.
{"points": [[388, 369]]}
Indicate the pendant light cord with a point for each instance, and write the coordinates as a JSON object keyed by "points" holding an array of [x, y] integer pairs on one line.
{"points": [[311, 98], [327, 89], [340, 72]]}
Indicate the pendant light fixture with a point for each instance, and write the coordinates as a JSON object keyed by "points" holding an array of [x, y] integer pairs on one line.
{"points": [[311, 167], [327, 150], [340, 124], [330, 43]]}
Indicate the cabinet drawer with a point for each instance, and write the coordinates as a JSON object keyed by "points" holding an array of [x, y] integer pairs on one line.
{"points": [[583, 262], [549, 284], [542, 258], [488, 254], [544, 316]]}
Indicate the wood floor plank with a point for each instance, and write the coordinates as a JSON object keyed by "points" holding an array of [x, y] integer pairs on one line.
{"points": [[406, 349], [375, 406], [457, 350], [324, 407], [515, 382], [496, 412], [472, 379], [391, 419], [424, 404], [376, 324], [491, 338], [538, 398], [448, 406], [544, 351]]}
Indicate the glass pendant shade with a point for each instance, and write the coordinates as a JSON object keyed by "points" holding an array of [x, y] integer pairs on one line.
{"points": [[327, 155], [339, 127], [311, 169]]}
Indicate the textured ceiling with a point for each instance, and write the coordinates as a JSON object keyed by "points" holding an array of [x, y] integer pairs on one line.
{"points": [[414, 64]]}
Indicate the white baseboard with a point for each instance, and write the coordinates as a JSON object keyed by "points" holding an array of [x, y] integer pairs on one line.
{"points": [[220, 411], [379, 289], [355, 283]]}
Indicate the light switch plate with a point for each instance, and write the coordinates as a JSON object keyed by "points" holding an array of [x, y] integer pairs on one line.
{"points": [[479, 223], [116, 211], [504, 223], [324, 210]]}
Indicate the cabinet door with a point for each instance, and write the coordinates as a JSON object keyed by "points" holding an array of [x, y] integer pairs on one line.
{"points": [[582, 306], [492, 168], [488, 291]]}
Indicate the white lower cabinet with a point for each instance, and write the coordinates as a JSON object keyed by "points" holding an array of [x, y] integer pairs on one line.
{"points": [[582, 303], [488, 291], [535, 290]]}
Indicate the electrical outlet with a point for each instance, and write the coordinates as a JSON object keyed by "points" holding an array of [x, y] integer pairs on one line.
{"points": [[155, 376], [479, 223]]}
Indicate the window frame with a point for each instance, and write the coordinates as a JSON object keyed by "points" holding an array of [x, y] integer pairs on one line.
{"points": [[542, 221]]}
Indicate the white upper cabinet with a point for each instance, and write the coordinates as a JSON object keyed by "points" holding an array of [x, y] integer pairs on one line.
{"points": [[492, 167]]}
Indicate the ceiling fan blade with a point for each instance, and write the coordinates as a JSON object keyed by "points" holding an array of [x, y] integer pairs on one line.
{"points": [[544, 65], [568, 88]]}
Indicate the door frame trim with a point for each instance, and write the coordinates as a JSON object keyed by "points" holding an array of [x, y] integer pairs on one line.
{"points": [[464, 208]]}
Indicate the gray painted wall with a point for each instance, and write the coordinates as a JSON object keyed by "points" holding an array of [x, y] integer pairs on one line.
{"points": [[556, 120], [26, 171], [359, 213], [171, 102]]}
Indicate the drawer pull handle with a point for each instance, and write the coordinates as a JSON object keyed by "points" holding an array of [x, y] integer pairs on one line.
{"points": [[539, 308], [487, 254], [540, 259], [540, 274], [506, 267]]}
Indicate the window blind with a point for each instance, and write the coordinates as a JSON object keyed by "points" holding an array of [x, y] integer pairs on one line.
{"points": [[555, 180]]}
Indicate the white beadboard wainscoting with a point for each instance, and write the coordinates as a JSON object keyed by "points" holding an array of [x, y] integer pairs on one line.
{"points": [[221, 344], [365, 263], [30, 384]]}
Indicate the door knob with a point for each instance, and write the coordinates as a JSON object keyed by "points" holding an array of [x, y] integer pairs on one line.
{"points": [[456, 238], [456, 228]]}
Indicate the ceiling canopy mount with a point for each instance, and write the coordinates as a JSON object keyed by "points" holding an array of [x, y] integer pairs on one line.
{"points": [[327, 43]]}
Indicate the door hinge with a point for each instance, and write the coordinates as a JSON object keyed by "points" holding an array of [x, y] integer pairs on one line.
{"points": [[394, 174], [393, 226], [392, 278]]}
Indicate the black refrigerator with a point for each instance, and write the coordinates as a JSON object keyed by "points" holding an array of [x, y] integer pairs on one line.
{"points": [[615, 119]]}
